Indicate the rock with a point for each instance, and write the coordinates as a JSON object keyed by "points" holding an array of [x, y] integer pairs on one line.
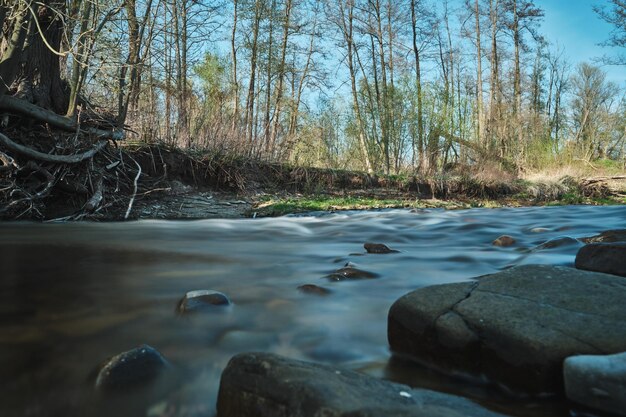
{"points": [[539, 230], [349, 273], [597, 381], [201, 299], [378, 248], [609, 258], [504, 240], [608, 236], [268, 385], [129, 368], [558, 242], [314, 289], [515, 327]]}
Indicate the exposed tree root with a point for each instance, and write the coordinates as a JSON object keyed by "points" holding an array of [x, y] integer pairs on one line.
{"points": [[15, 105], [58, 159]]}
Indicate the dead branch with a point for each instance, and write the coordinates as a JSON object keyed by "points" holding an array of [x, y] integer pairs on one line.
{"points": [[96, 198], [15, 105], [57, 159], [589, 181], [7, 162], [132, 199]]}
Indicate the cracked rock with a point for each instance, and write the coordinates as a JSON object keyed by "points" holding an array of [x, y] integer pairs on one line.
{"points": [[515, 327], [268, 385]]}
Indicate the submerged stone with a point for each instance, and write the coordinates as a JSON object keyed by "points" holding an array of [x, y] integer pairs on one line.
{"points": [[597, 381], [608, 236], [515, 327], [378, 248], [268, 385], [314, 289], [559, 242], [609, 258], [201, 299], [130, 368], [504, 240], [349, 273]]}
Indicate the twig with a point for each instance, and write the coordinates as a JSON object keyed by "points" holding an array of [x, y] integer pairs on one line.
{"points": [[132, 199]]}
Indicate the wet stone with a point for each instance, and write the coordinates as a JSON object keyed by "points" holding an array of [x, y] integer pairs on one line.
{"points": [[515, 327], [597, 381], [350, 273], [378, 248], [314, 289], [608, 236], [268, 385], [201, 300], [135, 366], [503, 241], [559, 242], [609, 258]]}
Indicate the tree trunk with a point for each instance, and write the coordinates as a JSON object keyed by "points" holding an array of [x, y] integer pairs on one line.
{"points": [[418, 86], [479, 78], [35, 71]]}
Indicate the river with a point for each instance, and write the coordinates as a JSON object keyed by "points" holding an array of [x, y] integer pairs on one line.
{"points": [[74, 294]]}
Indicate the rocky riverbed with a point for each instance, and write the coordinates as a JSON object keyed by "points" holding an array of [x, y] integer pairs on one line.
{"points": [[186, 315]]}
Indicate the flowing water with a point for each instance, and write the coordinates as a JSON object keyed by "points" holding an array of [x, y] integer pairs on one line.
{"points": [[73, 295]]}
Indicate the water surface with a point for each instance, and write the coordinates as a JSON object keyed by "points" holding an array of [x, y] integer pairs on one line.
{"points": [[72, 295]]}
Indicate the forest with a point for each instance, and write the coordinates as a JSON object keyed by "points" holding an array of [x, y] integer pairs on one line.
{"points": [[380, 86]]}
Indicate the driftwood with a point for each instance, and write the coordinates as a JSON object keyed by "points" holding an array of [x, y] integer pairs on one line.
{"points": [[58, 159], [15, 105], [589, 181]]}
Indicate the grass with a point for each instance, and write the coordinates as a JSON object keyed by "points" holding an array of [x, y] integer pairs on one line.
{"points": [[302, 204]]}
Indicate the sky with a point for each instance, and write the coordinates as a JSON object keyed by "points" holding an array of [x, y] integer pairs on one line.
{"points": [[574, 26]]}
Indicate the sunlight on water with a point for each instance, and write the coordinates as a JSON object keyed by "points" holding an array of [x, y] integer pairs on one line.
{"points": [[73, 295]]}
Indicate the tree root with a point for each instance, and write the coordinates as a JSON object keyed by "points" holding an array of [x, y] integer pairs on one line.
{"points": [[15, 105], [58, 159]]}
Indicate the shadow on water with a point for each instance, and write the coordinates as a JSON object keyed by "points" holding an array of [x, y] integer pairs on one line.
{"points": [[73, 295]]}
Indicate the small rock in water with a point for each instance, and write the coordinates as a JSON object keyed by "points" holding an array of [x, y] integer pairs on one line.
{"points": [[539, 230], [558, 242], [504, 240], [597, 381], [314, 289], [134, 366], [609, 258], [350, 273], [608, 236], [378, 248], [201, 299]]}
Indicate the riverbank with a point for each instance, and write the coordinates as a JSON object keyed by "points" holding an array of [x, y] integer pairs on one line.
{"points": [[143, 181]]}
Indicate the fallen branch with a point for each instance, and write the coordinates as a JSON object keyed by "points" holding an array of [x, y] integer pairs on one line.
{"points": [[132, 199], [15, 105], [7, 162], [57, 159], [96, 198], [602, 179]]}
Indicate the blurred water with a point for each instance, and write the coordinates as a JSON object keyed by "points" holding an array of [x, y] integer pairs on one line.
{"points": [[72, 295]]}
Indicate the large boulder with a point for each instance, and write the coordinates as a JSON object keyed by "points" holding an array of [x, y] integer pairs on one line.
{"points": [[609, 258], [515, 327], [597, 381], [263, 384]]}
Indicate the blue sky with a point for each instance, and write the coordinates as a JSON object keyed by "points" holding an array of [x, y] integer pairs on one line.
{"points": [[575, 26]]}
